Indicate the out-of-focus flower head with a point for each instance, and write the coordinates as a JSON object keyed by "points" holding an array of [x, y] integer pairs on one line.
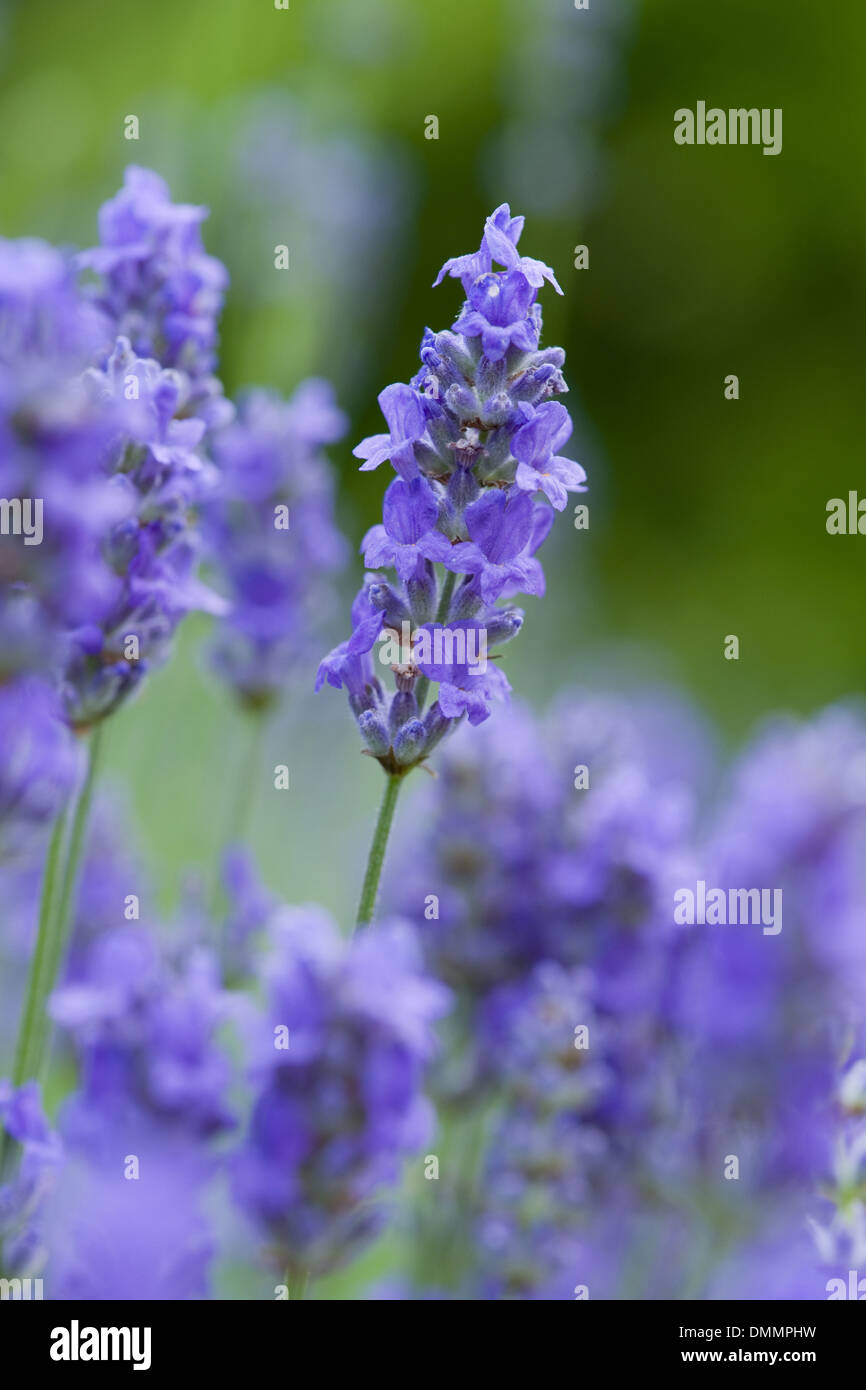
{"points": [[38, 760], [272, 537], [339, 1067], [157, 285], [153, 550], [770, 1013], [22, 1200]]}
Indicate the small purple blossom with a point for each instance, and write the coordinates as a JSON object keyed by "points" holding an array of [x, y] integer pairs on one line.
{"points": [[499, 244], [539, 464], [407, 424]]}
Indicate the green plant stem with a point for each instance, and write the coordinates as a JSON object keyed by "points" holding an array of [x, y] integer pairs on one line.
{"points": [[59, 884], [33, 994], [377, 849], [296, 1283], [423, 685], [241, 805], [66, 900], [51, 875]]}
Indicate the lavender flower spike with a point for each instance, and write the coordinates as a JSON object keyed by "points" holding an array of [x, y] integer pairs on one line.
{"points": [[339, 1062], [474, 440]]}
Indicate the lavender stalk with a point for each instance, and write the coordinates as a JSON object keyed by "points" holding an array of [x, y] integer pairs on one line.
{"points": [[474, 440]]}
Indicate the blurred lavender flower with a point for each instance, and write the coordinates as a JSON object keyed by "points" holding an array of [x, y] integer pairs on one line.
{"points": [[338, 1086], [114, 1236], [537, 1184], [769, 1017], [53, 443], [158, 286], [553, 914], [527, 867], [127, 1213], [271, 535], [249, 909], [154, 549], [145, 1029], [110, 457], [38, 760], [22, 1201], [42, 317], [472, 440]]}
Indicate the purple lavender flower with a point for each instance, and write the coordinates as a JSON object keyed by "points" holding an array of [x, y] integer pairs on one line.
{"points": [[472, 439], [53, 443], [553, 1175], [42, 317], [118, 1232], [127, 1215], [110, 461], [159, 474], [249, 908], [271, 535], [22, 1200], [158, 286], [145, 1028], [552, 914], [339, 1105], [38, 759], [499, 243], [528, 868], [769, 1014]]}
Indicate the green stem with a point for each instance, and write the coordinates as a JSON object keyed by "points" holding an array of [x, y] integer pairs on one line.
{"points": [[246, 784], [296, 1283], [33, 994], [67, 899], [423, 685], [59, 882], [47, 910], [377, 849], [240, 809]]}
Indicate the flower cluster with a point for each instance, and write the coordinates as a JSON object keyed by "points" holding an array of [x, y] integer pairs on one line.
{"points": [[102, 446], [153, 550], [527, 867], [474, 439], [339, 1065], [271, 535], [706, 1042], [552, 850]]}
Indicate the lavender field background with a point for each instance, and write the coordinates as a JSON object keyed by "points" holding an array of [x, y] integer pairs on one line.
{"points": [[306, 128]]}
